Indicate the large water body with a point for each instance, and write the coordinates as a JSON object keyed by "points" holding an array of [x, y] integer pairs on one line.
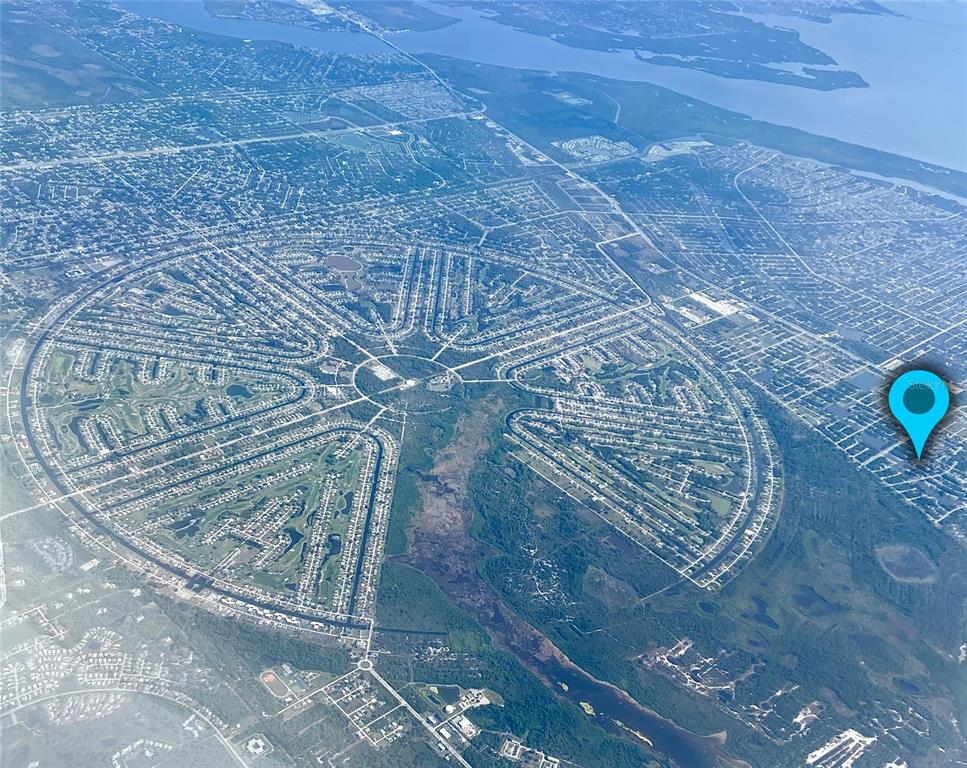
{"points": [[192, 14], [915, 64]]}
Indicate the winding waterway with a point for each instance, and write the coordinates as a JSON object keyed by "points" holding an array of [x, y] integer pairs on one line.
{"points": [[616, 712]]}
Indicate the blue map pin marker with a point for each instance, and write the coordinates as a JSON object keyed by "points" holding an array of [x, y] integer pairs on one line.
{"points": [[919, 399]]}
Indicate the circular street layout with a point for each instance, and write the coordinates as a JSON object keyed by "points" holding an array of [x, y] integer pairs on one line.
{"points": [[235, 418]]}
